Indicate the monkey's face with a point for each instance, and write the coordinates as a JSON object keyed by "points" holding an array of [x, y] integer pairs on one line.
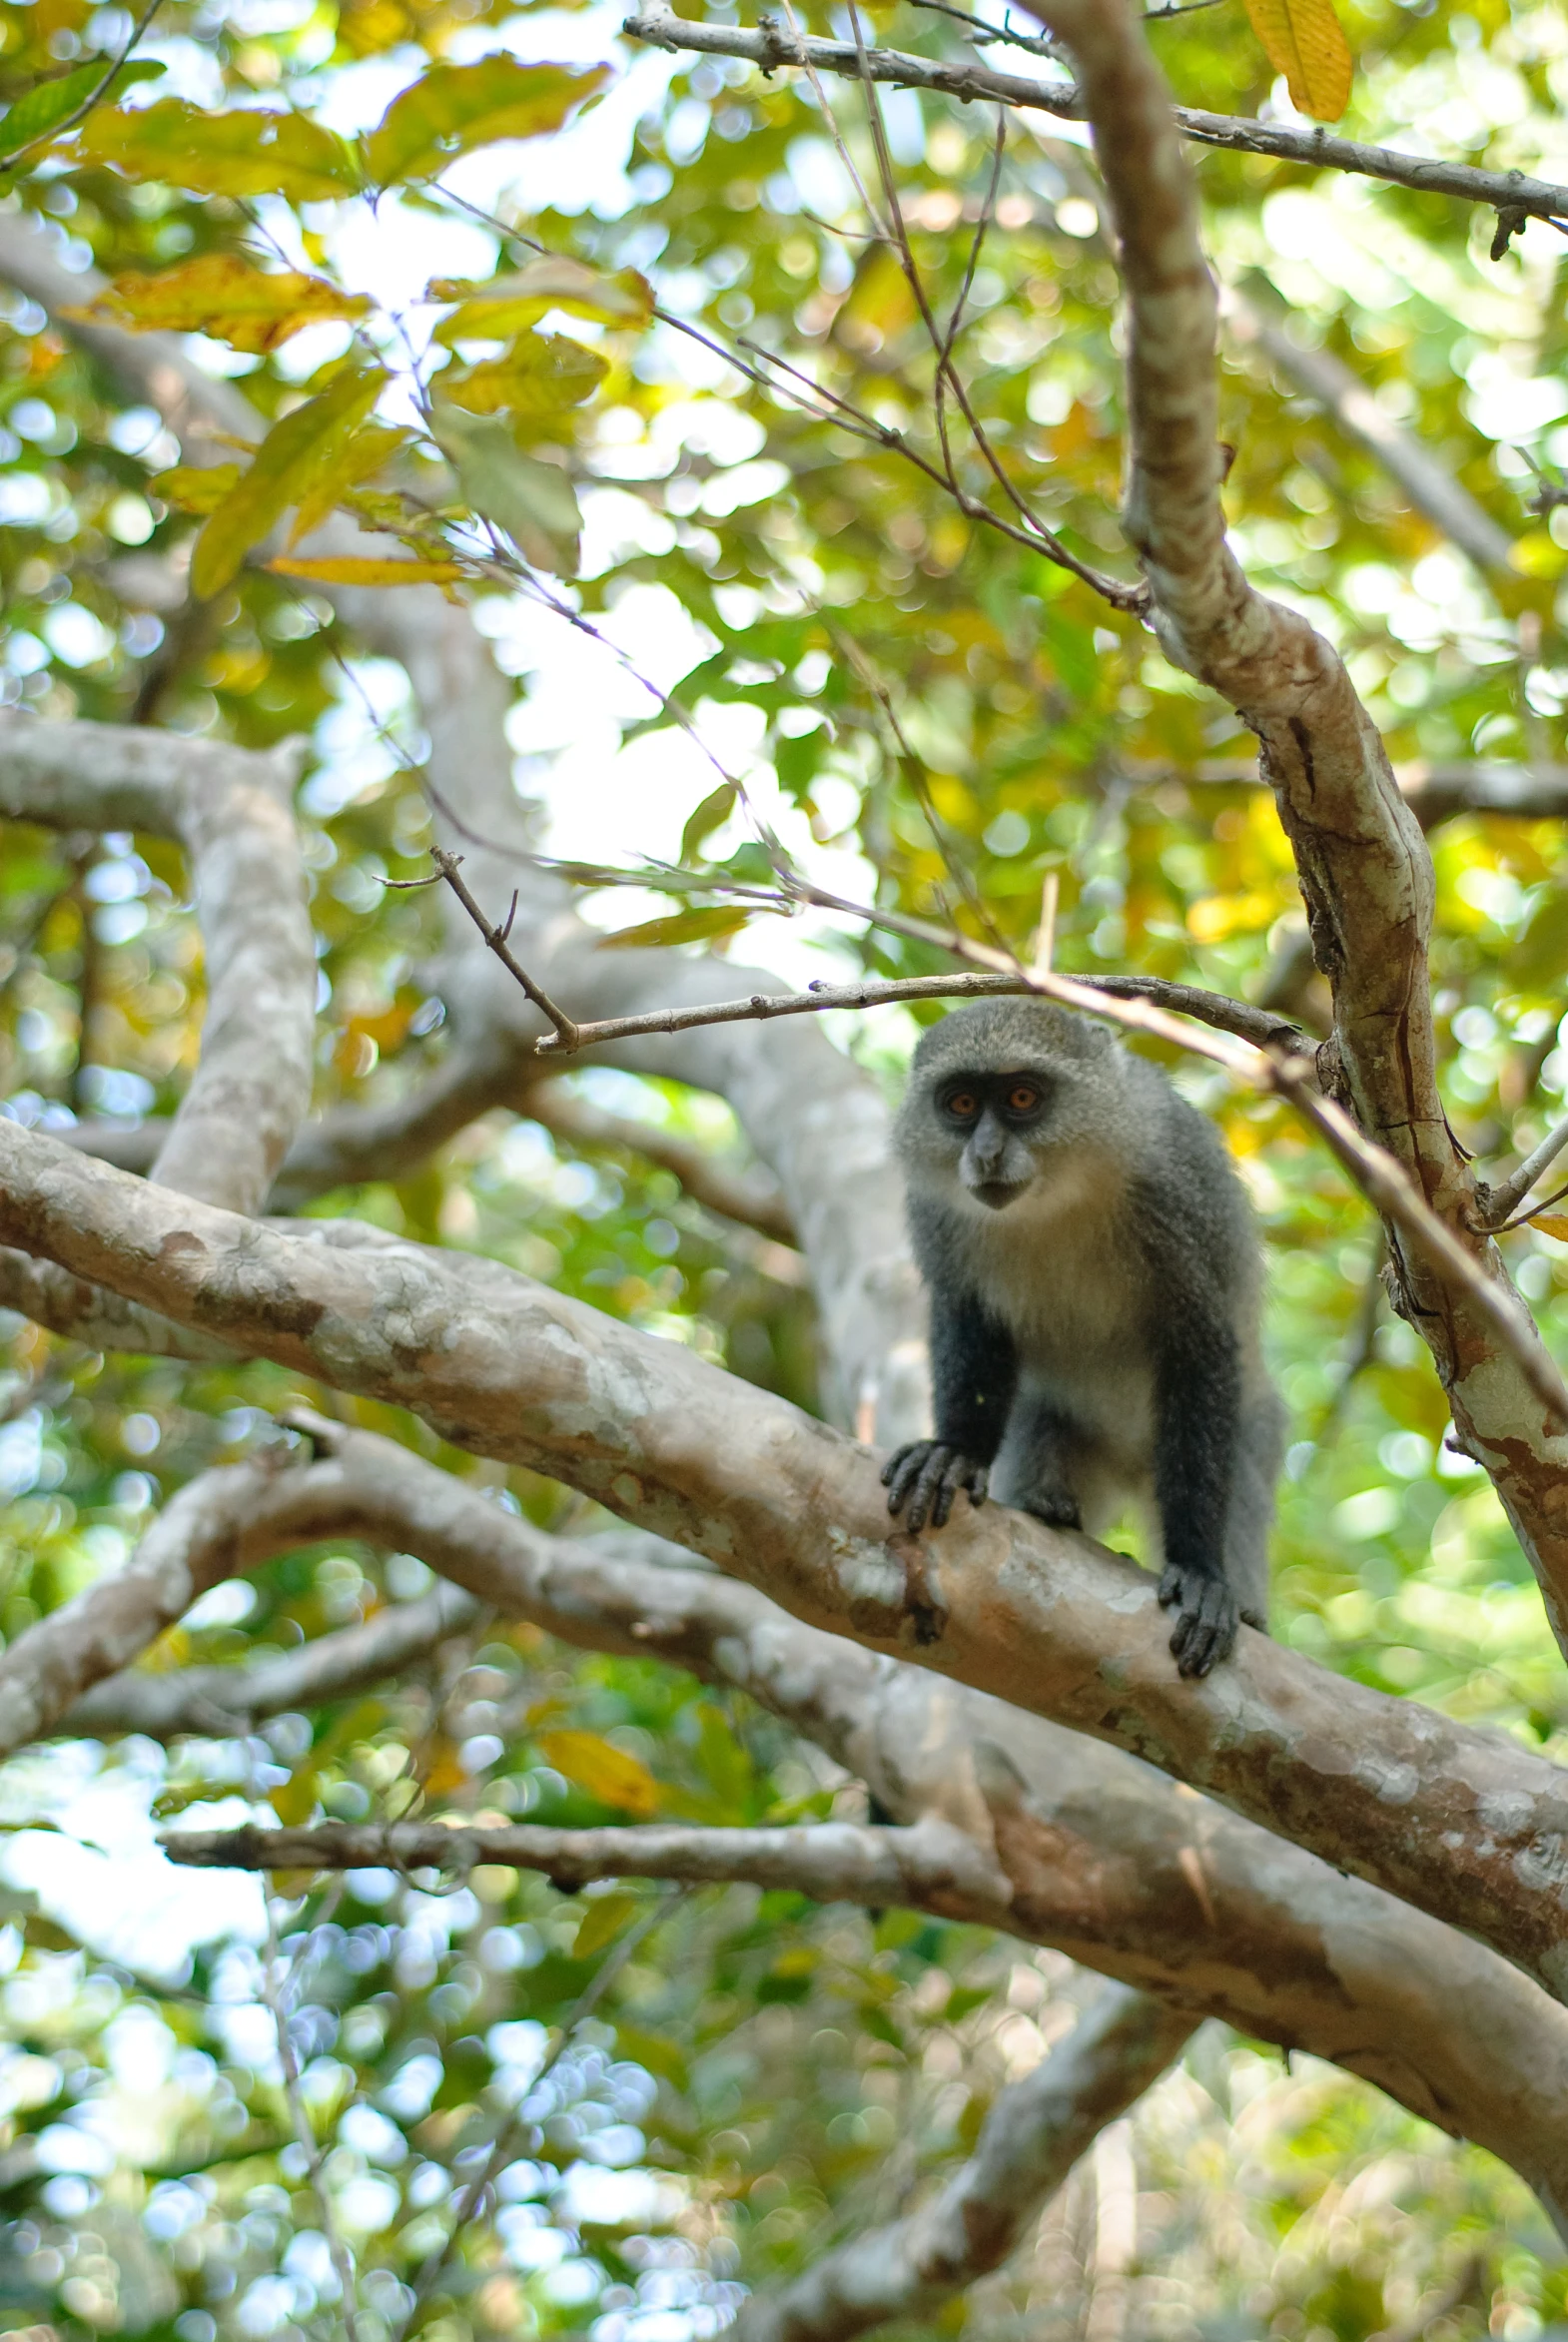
{"points": [[991, 1120]]}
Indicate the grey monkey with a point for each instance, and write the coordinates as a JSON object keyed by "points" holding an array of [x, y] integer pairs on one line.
{"points": [[1094, 1284]]}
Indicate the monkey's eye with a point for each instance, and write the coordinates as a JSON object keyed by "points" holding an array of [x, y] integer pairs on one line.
{"points": [[1023, 1097], [963, 1106]]}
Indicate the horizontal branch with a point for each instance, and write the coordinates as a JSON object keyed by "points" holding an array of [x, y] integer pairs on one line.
{"points": [[509, 1369], [833, 1862], [163, 1704], [1187, 1000], [1032, 2135], [772, 47]]}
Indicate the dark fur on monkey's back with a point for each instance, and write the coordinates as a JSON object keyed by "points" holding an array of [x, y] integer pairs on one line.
{"points": [[1094, 1289]]}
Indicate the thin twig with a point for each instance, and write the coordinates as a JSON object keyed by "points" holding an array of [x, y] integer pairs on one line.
{"points": [[1044, 941], [1504, 1199], [1225, 1016], [298, 2113], [496, 938], [1319, 148], [503, 2140]]}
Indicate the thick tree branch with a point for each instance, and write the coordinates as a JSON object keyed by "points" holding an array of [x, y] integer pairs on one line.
{"points": [[1462, 1825], [773, 47], [231, 808], [1034, 2134], [1364, 870]]}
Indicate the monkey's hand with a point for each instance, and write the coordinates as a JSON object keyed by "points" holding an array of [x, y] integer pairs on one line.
{"points": [[927, 1475], [1206, 1617]]}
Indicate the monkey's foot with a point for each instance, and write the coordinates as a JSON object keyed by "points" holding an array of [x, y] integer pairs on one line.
{"points": [[1206, 1618], [1055, 1507], [927, 1475]]}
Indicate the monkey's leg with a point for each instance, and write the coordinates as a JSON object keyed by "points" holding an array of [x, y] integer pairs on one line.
{"points": [[974, 1368], [1259, 1456], [1197, 1431], [1035, 1467]]}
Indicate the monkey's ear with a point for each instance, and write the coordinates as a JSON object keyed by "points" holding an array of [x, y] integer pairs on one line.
{"points": [[1227, 459]]}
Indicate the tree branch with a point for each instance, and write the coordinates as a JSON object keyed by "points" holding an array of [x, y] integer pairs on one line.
{"points": [[1187, 1000], [772, 47], [231, 810], [1105, 1858], [509, 1369], [1365, 871], [163, 1704], [931, 1863], [1035, 2132]]}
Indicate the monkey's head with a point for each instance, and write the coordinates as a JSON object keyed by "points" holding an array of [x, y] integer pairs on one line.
{"points": [[1002, 1093]]}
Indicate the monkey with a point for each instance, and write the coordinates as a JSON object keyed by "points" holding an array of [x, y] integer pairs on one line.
{"points": [[1094, 1284]]}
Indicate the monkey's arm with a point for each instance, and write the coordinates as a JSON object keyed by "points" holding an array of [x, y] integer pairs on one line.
{"points": [[974, 1370], [1198, 1426]]}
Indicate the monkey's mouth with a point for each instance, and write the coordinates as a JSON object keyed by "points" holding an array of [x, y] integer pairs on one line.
{"points": [[996, 1195]]}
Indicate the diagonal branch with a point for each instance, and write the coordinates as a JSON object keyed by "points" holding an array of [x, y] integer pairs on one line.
{"points": [[509, 1369], [1034, 2134], [1328, 381]]}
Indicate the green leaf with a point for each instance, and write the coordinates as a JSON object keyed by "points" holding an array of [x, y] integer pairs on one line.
{"points": [[292, 457], [196, 488], [602, 1921], [453, 108], [534, 502], [248, 152], [710, 816], [704, 923], [221, 294], [494, 310], [35, 116], [540, 376]]}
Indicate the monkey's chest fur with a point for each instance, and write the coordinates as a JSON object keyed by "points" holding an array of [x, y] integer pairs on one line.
{"points": [[1058, 1272]]}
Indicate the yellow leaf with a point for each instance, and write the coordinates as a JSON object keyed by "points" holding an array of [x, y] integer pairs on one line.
{"points": [[192, 487], [369, 449], [293, 1800], [364, 569], [223, 296], [247, 152], [1304, 40], [453, 108], [603, 1920], [704, 924], [295, 454], [605, 1772], [493, 312], [542, 375], [1552, 1223]]}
